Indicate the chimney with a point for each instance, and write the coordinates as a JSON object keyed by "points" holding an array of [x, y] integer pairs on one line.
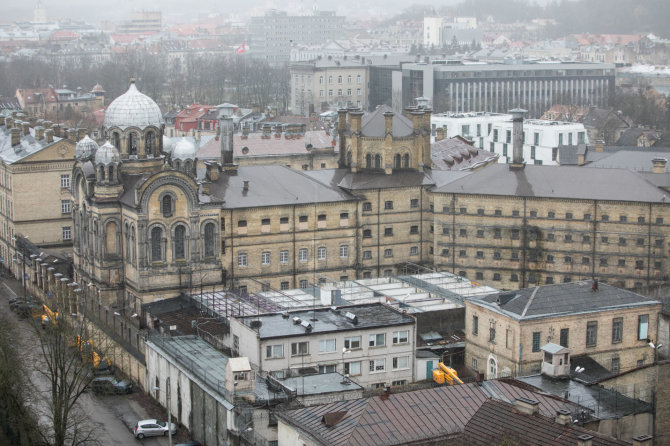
{"points": [[72, 135], [49, 135], [39, 132], [197, 136], [416, 116], [388, 122], [585, 440], [245, 187], [32, 120], [599, 144], [226, 125], [517, 138], [81, 132], [439, 133], [25, 125], [213, 171], [341, 119], [526, 406], [355, 117], [659, 165], [643, 440], [2, 120], [245, 132], [47, 124], [563, 417], [427, 113], [16, 136], [57, 130], [9, 122]]}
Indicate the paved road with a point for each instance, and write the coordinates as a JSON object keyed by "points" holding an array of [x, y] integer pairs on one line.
{"points": [[114, 416]]}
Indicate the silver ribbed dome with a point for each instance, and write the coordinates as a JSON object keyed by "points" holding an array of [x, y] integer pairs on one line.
{"points": [[184, 150], [85, 149], [133, 109], [107, 154]]}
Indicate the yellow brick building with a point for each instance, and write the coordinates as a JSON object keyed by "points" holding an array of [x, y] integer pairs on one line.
{"points": [[505, 331], [36, 162]]}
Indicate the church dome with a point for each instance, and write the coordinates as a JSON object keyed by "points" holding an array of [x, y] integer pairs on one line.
{"points": [[133, 109], [85, 148], [184, 150], [107, 154]]}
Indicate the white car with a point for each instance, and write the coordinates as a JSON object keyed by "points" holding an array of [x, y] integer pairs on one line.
{"points": [[153, 428]]}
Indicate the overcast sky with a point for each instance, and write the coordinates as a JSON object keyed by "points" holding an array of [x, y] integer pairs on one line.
{"points": [[99, 10]]}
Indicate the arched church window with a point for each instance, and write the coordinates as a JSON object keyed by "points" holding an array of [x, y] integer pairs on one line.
{"points": [[111, 246], [405, 161], [349, 158], [110, 174], [179, 243], [396, 161], [368, 161], [167, 206], [378, 161], [116, 140], [149, 142], [156, 244], [132, 143], [209, 240]]}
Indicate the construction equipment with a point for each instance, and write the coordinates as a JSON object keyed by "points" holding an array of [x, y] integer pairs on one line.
{"points": [[49, 317], [445, 374]]}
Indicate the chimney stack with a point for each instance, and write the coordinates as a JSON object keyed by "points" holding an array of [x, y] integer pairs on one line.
{"points": [[355, 117], [427, 113], [245, 186], [600, 144], [39, 132], [2, 120], [659, 165], [526, 406], [16, 136], [388, 122], [643, 440], [585, 440], [72, 135], [226, 125], [439, 133], [213, 171], [47, 124], [49, 135], [517, 138], [25, 125], [81, 133], [563, 417]]}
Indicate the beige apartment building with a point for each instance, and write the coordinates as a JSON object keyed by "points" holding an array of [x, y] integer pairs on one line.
{"points": [[505, 332], [325, 85], [36, 161]]}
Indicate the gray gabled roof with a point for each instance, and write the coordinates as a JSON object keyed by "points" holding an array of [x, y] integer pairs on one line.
{"points": [[373, 124], [558, 182], [562, 299]]}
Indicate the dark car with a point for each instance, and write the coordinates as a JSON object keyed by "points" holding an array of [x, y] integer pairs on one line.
{"points": [[189, 443], [108, 385]]}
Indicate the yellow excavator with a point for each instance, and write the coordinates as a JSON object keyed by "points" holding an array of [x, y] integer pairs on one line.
{"points": [[49, 317], [446, 374]]}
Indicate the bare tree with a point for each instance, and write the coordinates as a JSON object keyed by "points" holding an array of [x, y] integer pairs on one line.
{"points": [[67, 354]]}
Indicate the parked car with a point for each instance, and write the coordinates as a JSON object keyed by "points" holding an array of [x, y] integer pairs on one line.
{"points": [[189, 443], [108, 385], [153, 428]]}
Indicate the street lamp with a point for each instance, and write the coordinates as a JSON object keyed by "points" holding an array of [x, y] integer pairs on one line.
{"points": [[169, 408], [655, 348]]}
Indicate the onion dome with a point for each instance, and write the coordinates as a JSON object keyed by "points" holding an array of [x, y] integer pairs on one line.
{"points": [[133, 109], [184, 150], [107, 154], [85, 148], [97, 88]]}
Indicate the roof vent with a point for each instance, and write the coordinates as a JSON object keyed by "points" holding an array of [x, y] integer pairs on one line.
{"points": [[255, 323], [307, 325], [297, 320], [285, 315], [334, 309], [351, 316], [332, 418]]}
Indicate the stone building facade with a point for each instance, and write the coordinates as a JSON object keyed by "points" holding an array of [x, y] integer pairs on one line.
{"points": [[34, 152], [505, 332]]}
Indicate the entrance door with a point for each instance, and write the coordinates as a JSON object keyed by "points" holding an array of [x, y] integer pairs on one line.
{"points": [[429, 370]]}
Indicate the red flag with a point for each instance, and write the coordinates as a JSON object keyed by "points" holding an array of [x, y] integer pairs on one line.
{"points": [[240, 49]]}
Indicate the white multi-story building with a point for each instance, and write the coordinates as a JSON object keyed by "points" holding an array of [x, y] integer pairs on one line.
{"points": [[540, 139], [474, 126], [373, 344], [432, 31], [493, 132]]}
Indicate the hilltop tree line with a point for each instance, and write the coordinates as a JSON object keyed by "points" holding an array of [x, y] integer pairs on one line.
{"points": [[206, 80]]}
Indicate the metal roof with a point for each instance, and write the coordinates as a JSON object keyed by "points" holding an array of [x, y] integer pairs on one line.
{"points": [[133, 109], [27, 146], [374, 124], [563, 299], [569, 182]]}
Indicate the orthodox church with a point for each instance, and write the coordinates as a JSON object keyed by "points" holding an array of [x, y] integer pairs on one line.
{"points": [[149, 224]]}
